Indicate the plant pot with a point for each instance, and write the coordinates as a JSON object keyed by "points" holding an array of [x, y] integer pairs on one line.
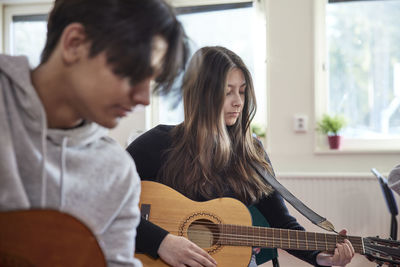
{"points": [[334, 141]]}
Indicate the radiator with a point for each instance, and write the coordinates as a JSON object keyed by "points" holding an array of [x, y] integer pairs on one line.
{"points": [[351, 201]]}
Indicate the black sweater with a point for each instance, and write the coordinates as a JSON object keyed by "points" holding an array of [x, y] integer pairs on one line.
{"points": [[148, 153]]}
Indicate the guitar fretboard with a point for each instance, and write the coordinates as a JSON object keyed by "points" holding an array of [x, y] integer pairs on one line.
{"points": [[236, 235]]}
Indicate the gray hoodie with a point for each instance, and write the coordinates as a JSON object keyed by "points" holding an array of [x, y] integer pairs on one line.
{"points": [[79, 171]]}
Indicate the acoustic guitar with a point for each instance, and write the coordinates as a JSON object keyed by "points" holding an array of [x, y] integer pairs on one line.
{"points": [[223, 228], [46, 238]]}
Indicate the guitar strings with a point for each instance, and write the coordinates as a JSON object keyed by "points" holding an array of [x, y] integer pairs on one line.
{"points": [[251, 239], [269, 241], [214, 227], [217, 228]]}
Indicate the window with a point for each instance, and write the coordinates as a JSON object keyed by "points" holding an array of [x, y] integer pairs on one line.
{"points": [[235, 26], [364, 66], [28, 36], [363, 69], [25, 30]]}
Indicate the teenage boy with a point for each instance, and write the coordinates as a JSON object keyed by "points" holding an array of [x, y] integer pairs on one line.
{"points": [[99, 59]]}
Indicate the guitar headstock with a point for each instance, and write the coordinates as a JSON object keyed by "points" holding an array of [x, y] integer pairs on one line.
{"points": [[382, 251]]}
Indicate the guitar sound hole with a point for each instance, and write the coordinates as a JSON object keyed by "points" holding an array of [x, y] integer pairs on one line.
{"points": [[204, 233]]}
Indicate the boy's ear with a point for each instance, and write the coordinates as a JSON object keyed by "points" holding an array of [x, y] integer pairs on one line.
{"points": [[74, 44]]}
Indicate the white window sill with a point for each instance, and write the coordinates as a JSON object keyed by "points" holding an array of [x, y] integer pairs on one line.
{"points": [[359, 146], [328, 151]]}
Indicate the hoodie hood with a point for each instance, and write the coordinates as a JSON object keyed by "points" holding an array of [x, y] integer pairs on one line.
{"points": [[42, 153], [17, 71]]}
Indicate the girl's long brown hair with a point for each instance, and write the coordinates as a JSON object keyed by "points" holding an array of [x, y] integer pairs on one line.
{"points": [[208, 159]]}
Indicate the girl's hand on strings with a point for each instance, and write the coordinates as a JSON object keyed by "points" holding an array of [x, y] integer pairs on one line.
{"points": [[342, 255], [178, 251]]}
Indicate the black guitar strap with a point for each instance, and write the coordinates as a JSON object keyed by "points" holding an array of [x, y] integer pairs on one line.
{"points": [[294, 201]]}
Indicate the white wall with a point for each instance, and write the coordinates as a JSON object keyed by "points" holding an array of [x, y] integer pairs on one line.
{"points": [[137, 122]]}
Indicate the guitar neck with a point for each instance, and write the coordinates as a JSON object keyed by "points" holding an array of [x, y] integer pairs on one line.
{"points": [[236, 235]]}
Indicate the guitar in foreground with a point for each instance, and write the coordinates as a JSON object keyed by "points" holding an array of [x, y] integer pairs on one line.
{"points": [[46, 238], [223, 228]]}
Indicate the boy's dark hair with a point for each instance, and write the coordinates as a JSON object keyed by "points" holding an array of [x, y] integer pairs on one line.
{"points": [[124, 29]]}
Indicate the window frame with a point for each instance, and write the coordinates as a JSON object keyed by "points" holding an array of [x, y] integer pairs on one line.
{"points": [[20, 9], [152, 111], [321, 90]]}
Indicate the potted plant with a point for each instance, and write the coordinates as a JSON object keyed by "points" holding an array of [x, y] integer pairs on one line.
{"points": [[331, 126], [258, 130]]}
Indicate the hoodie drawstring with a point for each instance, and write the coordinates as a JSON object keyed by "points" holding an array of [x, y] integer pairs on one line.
{"points": [[62, 170], [44, 155]]}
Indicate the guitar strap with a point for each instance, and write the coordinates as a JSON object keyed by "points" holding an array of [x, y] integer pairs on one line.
{"points": [[294, 201]]}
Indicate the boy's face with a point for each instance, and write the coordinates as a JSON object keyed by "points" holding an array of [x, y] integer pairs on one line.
{"points": [[101, 96]]}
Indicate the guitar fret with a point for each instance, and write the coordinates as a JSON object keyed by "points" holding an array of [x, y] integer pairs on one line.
{"points": [[263, 234], [332, 242], [285, 238], [293, 241], [305, 235], [273, 238], [316, 240], [277, 239], [310, 241], [252, 234], [303, 240], [259, 236], [253, 237], [326, 243]]}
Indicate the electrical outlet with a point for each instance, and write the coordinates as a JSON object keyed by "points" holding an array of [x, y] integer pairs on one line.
{"points": [[300, 123]]}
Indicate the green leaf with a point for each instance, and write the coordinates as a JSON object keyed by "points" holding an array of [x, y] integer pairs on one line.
{"points": [[331, 125]]}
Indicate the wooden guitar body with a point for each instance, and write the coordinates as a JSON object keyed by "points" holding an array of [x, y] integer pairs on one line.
{"points": [[177, 214], [223, 228], [46, 238]]}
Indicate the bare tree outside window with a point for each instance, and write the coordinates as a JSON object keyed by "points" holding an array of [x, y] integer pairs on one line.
{"points": [[29, 36], [364, 67], [232, 28]]}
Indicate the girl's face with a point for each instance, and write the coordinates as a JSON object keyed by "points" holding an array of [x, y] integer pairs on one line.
{"points": [[234, 96]]}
